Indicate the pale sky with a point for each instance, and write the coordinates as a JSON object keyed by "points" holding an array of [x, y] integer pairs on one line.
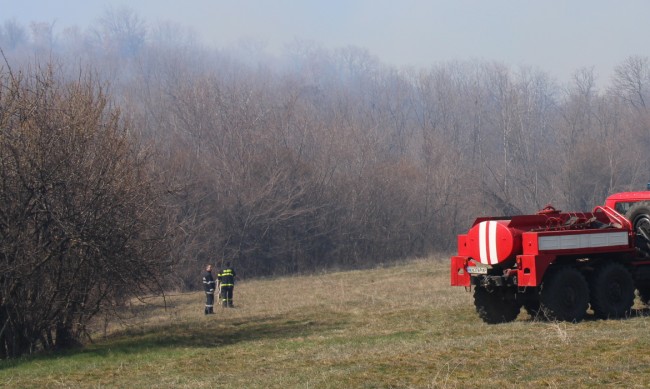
{"points": [[556, 36]]}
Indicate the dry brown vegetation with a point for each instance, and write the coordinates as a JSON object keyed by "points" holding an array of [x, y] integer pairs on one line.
{"points": [[80, 226], [399, 326]]}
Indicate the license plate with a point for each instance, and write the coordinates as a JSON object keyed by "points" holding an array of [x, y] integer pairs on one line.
{"points": [[477, 270]]}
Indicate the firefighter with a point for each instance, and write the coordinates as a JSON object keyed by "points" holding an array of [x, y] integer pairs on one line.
{"points": [[209, 285], [227, 285]]}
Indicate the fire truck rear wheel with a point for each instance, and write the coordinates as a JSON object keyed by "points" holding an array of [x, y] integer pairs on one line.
{"points": [[532, 308], [612, 291], [564, 295], [495, 307]]}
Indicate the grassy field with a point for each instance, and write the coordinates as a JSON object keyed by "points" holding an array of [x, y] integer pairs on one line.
{"points": [[391, 327]]}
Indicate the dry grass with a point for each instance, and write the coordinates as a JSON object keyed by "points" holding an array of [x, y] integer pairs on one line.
{"points": [[400, 327]]}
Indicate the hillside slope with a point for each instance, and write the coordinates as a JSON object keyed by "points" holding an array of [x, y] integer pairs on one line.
{"points": [[399, 326]]}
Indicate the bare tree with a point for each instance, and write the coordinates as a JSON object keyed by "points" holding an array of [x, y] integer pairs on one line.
{"points": [[79, 224], [43, 37], [632, 81], [123, 30], [12, 35]]}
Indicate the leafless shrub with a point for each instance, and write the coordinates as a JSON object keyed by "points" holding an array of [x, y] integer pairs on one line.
{"points": [[79, 223]]}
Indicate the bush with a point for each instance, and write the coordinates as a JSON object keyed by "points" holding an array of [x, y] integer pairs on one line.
{"points": [[80, 228]]}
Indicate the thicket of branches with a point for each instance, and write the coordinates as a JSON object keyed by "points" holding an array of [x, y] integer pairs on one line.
{"points": [[323, 158], [79, 225], [337, 160]]}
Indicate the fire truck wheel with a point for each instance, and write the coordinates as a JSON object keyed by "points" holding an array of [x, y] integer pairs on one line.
{"points": [[495, 307], [532, 308], [564, 295], [612, 291]]}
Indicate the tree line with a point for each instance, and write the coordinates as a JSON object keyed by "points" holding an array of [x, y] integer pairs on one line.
{"points": [[132, 155]]}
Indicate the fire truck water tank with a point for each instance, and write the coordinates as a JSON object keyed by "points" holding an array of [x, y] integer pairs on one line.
{"points": [[493, 242]]}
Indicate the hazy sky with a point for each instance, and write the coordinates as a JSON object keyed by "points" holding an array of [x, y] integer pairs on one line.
{"points": [[556, 36]]}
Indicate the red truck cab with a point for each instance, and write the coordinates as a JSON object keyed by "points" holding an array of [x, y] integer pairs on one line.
{"points": [[622, 202]]}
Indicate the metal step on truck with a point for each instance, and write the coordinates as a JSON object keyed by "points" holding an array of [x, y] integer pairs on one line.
{"points": [[557, 265]]}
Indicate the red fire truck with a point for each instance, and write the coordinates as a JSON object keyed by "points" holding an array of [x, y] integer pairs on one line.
{"points": [[558, 264]]}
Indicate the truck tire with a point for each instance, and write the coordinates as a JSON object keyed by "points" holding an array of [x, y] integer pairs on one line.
{"points": [[564, 295], [495, 307], [612, 291], [639, 216]]}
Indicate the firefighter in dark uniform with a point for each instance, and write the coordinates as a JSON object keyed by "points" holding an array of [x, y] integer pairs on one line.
{"points": [[227, 285], [209, 285]]}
